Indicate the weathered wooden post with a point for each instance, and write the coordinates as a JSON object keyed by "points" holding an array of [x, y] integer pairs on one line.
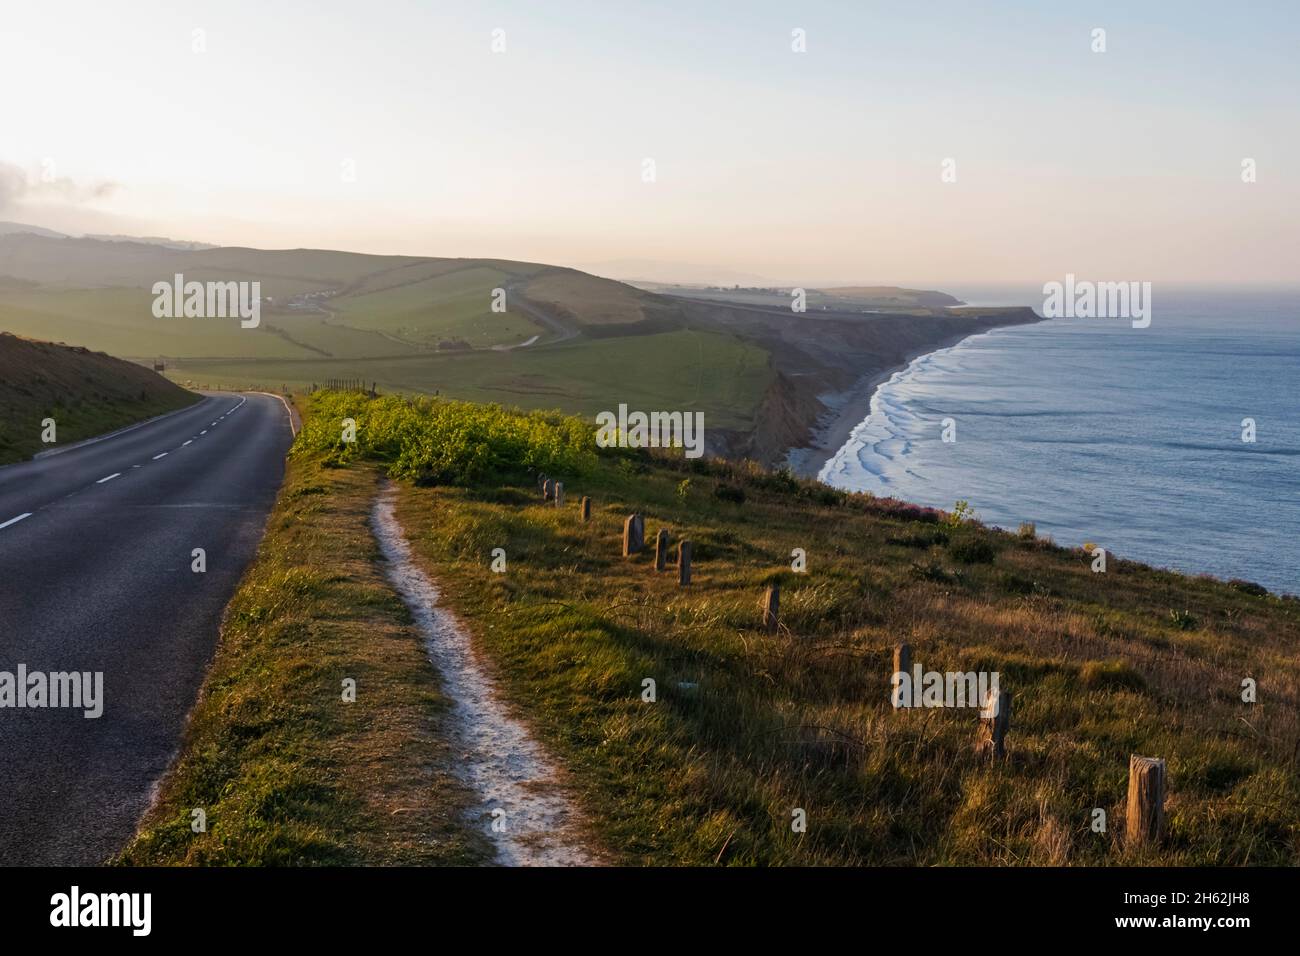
{"points": [[902, 665], [633, 535], [1146, 799], [541, 482], [586, 508], [995, 722], [772, 607], [683, 562], [559, 494], [661, 549], [548, 489]]}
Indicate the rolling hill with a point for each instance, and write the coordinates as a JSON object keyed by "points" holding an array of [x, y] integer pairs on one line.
{"points": [[85, 394], [525, 334]]}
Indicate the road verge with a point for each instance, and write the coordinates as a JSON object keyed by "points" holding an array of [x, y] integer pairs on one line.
{"points": [[318, 737]]}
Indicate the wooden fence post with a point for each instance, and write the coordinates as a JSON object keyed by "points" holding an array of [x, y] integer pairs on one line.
{"points": [[772, 607], [548, 489], [902, 665], [633, 535], [1146, 800], [995, 722], [683, 562], [559, 494], [661, 549], [586, 508]]}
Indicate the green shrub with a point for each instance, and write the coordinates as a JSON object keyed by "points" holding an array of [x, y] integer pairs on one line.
{"points": [[436, 441], [960, 514], [972, 551]]}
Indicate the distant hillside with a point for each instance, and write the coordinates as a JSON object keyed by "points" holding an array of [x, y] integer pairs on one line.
{"points": [[86, 393], [15, 228], [889, 296], [522, 333], [151, 240], [874, 298]]}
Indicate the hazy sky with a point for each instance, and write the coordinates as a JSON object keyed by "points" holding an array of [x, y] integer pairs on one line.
{"points": [[818, 165]]}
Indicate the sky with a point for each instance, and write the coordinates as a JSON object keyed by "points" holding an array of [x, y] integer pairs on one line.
{"points": [[394, 127]]}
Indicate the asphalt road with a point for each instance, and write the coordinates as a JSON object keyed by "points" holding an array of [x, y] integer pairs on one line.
{"points": [[98, 577]]}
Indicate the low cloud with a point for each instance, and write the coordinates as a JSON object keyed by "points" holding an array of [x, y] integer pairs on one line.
{"points": [[16, 186]]}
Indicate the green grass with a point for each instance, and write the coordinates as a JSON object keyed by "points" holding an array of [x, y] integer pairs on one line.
{"points": [[121, 322], [84, 393], [410, 324], [802, 719], [717, 374], [747, 727], [286, 771], [452, 306]]}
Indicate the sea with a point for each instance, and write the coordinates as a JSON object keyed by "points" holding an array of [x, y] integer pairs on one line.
{"points": [[1177, 444]]}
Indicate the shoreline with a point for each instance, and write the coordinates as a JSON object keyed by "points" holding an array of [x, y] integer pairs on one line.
{"points": [[848, 409]]}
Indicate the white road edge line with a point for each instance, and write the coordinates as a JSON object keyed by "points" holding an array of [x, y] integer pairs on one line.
{"points": [[116, 474], [293, 430], [156, 457], [25, 514], [113, 434]]}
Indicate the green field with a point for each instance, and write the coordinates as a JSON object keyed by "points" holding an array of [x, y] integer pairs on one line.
{"points": [[454, 305], [717, 374]]}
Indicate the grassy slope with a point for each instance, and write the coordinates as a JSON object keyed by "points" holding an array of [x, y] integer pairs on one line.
{"points": [[121, 322], [455, 305], [1101, 666], [386, 314], [1134, 661], [86, 393], [286, 771]]}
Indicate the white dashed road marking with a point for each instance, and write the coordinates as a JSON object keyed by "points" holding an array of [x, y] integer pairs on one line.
{"points": [[116, 474], [25, 514], [156, 457]]}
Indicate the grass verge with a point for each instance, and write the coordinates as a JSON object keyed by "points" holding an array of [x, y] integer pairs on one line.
{"points": [[285, 770]]}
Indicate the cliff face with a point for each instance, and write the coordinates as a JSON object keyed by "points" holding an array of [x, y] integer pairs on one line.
{"points": [[783, 420], [814, 354]]}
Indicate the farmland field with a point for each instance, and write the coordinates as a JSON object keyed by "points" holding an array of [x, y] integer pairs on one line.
{"points": [[717, 374]]}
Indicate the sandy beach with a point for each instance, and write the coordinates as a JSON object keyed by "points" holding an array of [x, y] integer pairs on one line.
{"points": [[846, 410]]}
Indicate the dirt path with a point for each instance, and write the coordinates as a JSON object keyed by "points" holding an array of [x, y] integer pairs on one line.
{"points": [[523, 811]]}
